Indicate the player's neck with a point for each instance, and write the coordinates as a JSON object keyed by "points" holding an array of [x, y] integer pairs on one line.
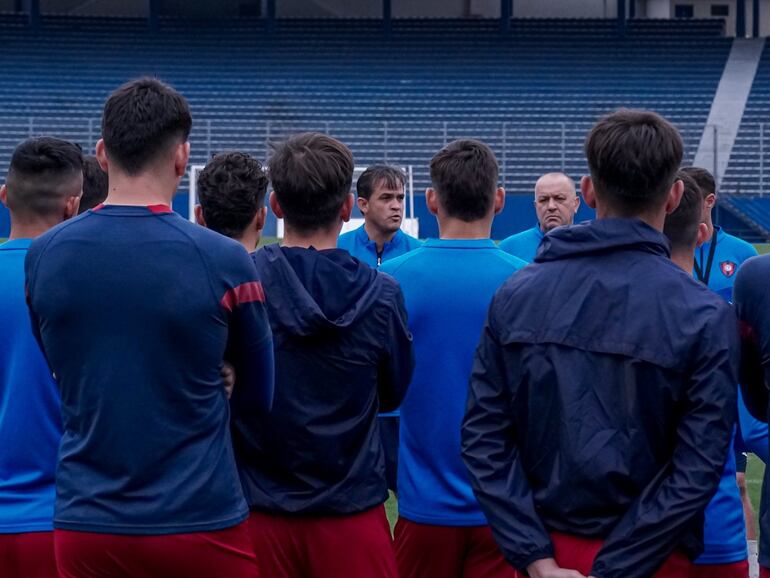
{"points": [[655, 219], [684, 258], [28, 230], [451, 228], [320, 239], [712, 230], [378, 236], [140, 190], [250, 240]]}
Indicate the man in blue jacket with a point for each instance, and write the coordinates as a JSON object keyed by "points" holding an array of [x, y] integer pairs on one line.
{"points": [[448, 284], [42, 189], [600, 410], [313, 469], [556, 203]]}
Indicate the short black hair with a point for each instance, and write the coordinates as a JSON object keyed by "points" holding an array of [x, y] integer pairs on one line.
{"points": [[44, 171], [141, 119], [633, 156], [231, 189], [705, 179], [464, 175], [95, 184], [379, 175], [681, 226], [311, 175]]}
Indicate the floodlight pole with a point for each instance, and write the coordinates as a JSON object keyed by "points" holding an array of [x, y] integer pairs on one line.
{"points": [[506, 13], [755, 23], [740, 19], [34, 14], [152, 14], [387, 16], [622, 17]]}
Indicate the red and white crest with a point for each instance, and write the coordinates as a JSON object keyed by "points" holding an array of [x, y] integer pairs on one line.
{"points": [[728, 268]]}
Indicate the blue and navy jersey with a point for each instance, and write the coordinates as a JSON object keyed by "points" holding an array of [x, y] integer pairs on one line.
{"points": [[448, 286], [30, 425], [523, 245], [135, 309], [717, 261], [357, 243]]}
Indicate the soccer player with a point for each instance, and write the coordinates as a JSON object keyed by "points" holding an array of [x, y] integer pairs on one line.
{"points": [[136, 308], [95, 186], [602, 397], [448, 284], [381, 197], [313, 470], [725, 554], [42, 189], [752, 301], [556, 204], [231, 190]]}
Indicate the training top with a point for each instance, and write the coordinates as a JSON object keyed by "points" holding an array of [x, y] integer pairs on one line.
{"points": [[597, 408], [447, 285], [357, 243], [30, 425], [135, 308], [717, 261], [523, 245]]}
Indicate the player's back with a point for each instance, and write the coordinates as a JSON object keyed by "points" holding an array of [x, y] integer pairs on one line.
{"points": [[131, 305], [30, 426], [447, 286]]}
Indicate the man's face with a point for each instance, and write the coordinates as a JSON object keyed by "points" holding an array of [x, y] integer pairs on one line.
{"points": [[385, 208], [555, 203]]}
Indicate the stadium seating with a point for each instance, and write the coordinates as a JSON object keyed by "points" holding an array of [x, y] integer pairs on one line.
{"points": [[754, 211], [531, 94]]}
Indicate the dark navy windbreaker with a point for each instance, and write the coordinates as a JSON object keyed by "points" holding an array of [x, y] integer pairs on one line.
{"points": [[602, 400], [343, 352]]}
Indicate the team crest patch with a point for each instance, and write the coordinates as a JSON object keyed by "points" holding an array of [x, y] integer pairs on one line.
{"points": [[728, 268]]}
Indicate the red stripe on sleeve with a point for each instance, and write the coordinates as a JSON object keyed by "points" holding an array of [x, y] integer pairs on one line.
{"points": [[243, 293]]}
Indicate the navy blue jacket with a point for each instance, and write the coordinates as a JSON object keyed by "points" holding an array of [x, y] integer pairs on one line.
{"points": [[752, 300], [343, 352], [602, 400]]}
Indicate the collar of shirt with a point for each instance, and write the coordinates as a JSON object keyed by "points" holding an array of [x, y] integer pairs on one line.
{"points": [[16, 244], [460, 244]]}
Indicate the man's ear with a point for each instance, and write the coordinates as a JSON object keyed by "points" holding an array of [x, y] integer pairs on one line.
{"points": [[710, 201], [101, 155], [199, 216], [674, 196], [347, 208], [577, 203], [363, 205], [274, 206], [588, 191], [499, 200], [260, 219], [431, 200], [4, 195], [181, 156], [703, 234], [71, 206]]}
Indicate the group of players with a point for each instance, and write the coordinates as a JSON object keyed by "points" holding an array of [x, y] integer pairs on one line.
{"points": [[176, 403]]}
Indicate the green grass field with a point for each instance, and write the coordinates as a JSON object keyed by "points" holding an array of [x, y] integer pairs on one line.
{"points": [[754, 472]]}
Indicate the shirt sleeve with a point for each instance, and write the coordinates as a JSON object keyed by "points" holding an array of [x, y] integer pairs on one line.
{"points": [[397, 360], [492, 457], [753, 432], [250, 343], [656, 522], [30, 272]]}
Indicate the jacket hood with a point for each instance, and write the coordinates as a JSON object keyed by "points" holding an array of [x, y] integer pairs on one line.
{"points": [[602, 235], [309, 291]]}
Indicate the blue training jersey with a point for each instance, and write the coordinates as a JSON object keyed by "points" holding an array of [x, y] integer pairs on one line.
{"points": [[135, 308], [523, 245], [30, 424], [717, 262], [448, 286], [357, 243]]}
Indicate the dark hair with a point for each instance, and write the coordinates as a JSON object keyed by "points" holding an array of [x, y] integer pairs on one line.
{"points": [[43, 172], [379, 175], [231, 189], [95, 185], [464, 175], [703, 178], [311, 175], [141, 119], [633, 156], [681, 226]]}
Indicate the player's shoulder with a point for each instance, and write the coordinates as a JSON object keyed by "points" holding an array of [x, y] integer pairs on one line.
{"points": [[511, 260], [520, 236], [742, 249], [347, 240], [412, 243], [754, 272], [393, 266]]}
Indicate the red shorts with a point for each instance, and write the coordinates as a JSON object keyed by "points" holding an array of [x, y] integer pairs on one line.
{"points": [[358, 545], [764, 572], [426, 551], [735, 570], [220, 554], [29, 554], [574, 553]]}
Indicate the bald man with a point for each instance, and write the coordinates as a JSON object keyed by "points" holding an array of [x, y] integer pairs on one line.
{"points": [[556, 203]]}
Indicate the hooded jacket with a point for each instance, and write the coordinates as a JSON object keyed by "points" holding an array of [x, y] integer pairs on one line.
{"points": [[602, 400], [343, 352]]}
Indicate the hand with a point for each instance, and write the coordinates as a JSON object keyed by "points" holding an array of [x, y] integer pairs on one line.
{"points": [[227, 373], [548, 568]]}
